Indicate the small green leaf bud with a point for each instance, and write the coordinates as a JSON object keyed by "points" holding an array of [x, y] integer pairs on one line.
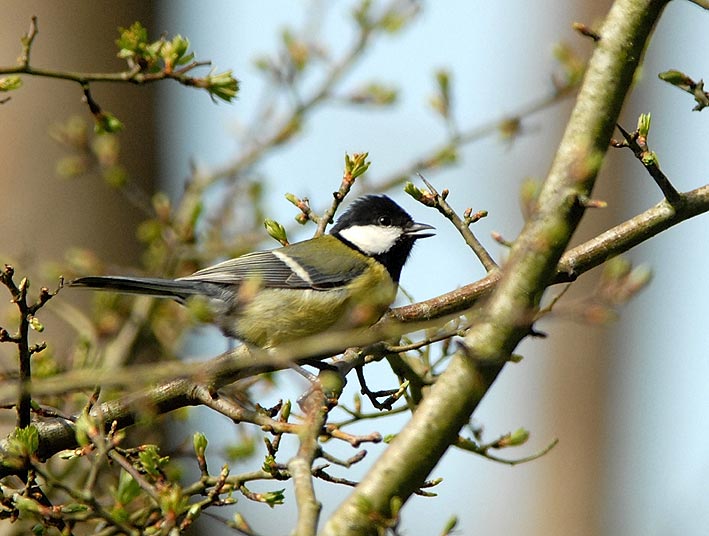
{"points": [[10, 83], [649, 158], [199, 442], [106, 122], [35, 324], [644, 124], [276, 231]]}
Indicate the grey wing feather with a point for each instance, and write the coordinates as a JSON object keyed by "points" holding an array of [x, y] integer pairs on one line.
{"points": [[261, 266]]}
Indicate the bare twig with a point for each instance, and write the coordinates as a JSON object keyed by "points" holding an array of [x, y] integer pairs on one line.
{"points": [[586, 31], [337, 198], [392, 395], [638, 144], [26, 40], [471, 446], [439, 203], [354, 440]]}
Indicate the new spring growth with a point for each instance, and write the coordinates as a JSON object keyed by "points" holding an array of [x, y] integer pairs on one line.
{"points": [[297, 50], [151, 461], [128, 488], [422, 196], [22, 443], [162, 207], [146, 56], [276, 231], [685, 83], [513, 439], [644, 127], [163, 55], [441, 100], [649, 158], [107, 123], [356, 165], [174, 52], [375, 94], [35, 324], [199, 442], [469, 217], [10, 83], [285, 411], [303, 205], [450, 526], [220, 85]]}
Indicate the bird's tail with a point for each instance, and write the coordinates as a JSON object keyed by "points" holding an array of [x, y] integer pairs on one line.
{"points": [[160, 288]]}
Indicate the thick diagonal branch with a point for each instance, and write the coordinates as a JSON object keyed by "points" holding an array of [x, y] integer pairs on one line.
{"points": [[507, 315]]}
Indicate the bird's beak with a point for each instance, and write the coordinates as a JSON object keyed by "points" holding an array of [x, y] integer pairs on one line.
{"points": [[419, 230]]}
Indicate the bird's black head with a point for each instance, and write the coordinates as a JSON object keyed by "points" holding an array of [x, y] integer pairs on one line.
{"points": [[379, 228]]}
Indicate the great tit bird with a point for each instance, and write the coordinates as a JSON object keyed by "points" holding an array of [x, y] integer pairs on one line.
{"points": [[343, 280]]}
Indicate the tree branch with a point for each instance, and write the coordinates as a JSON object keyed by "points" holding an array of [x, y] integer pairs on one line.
{"points": [[314, 406], [171, 394], [574, 262], [507, 315]]}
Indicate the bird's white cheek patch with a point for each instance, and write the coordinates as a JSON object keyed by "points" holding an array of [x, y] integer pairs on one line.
{"points": [[372, 239]]}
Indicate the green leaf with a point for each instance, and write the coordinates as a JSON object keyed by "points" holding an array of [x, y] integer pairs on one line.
{"points": [[21, 444], [128, 488], [356, 165], [10, 83], [174, 52], [73, 508], [223, 86], [151, 460], [676, 78], [272, 498], [132, 41]]}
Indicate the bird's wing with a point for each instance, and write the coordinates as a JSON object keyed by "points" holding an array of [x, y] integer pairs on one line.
{"points": [[283, 268], [264, 267]]}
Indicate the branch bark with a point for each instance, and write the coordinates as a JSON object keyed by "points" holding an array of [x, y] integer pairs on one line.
{"points": [[173, 393], [507, 314]]}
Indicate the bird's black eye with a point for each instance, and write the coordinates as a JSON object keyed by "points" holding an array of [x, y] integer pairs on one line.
{"points": [[384, 221]]}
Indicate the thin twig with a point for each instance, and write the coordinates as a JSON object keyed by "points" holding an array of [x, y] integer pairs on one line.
{"points": [[337, 198], [638, 144], [238, 413], [440, 204], [471, 446], [349, 462], [26, 40], [27, 320], [146, 486], [87, 498]]}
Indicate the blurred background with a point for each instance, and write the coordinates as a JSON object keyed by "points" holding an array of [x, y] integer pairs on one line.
{"points": [[628, 400]]}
